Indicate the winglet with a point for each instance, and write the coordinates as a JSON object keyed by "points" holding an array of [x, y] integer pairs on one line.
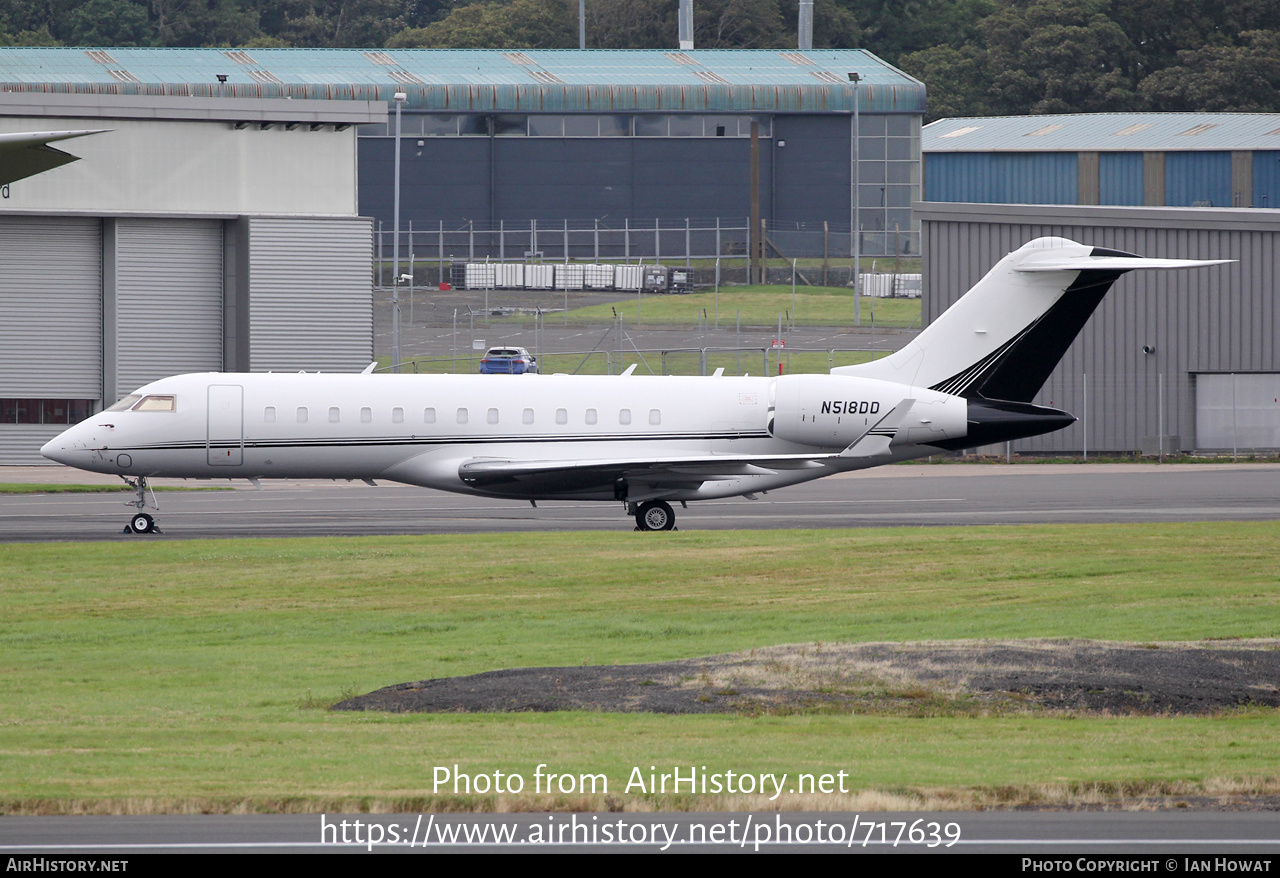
{"points": [[368, 370], [875, 442]]}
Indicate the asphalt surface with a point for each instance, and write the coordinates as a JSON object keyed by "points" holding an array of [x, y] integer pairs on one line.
{"points": [[1249, 836], [903, 495]]}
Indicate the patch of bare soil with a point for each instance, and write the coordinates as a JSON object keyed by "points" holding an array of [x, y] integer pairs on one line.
{"points": [[1086, 677]]}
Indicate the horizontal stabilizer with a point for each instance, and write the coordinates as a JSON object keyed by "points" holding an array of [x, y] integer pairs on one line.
{"points": [[1116, 263]]}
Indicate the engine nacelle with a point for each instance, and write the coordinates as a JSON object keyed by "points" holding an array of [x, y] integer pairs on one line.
{"points": [[834, 411]]}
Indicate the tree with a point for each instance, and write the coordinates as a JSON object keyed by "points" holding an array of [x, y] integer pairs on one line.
{"points": [[954, 80], [108, 23], [1239, 79], [1057, 56], [521, 24]]}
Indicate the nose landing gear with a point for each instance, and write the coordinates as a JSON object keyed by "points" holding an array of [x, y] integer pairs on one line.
{"points": [[142, 522]]}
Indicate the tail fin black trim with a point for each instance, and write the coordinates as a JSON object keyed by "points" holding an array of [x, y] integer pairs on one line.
{"points": [[1020, 368]]}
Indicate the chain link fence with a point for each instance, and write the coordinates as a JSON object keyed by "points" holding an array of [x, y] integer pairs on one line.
{"points": [[723, 245]]}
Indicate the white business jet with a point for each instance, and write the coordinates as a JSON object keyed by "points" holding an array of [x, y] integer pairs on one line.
{"points": [[645, 442]]}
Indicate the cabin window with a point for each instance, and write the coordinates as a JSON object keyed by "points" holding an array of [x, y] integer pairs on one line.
{"points": [[527, 416], [492, 416], [269, 414], [591, 416], [462, 416], [429, 416], [655, 417], [123, 405], [624, 416], [366, 415], [156, 404], [397, 415], [562, 416], [302, 414], [334, 414]]}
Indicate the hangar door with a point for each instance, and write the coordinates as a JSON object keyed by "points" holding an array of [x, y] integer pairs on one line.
{"points": [[51, 299], [169, 299], [1238, 411], [310, 293]]}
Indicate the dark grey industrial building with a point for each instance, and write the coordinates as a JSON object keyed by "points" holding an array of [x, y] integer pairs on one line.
{"points": [[1171, 360]]}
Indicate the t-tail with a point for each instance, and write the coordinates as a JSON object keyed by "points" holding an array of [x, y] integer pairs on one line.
{"points": [[999, 343]]}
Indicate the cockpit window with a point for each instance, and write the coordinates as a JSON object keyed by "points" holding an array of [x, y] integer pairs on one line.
{"points": [[125, 404], [156, 404]]}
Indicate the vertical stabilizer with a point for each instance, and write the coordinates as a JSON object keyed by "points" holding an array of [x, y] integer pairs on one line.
{"points": [[1004, 337]]}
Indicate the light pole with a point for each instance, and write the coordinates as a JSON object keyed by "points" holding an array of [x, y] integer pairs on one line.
{"points": [[855, 219], [400, 97]]}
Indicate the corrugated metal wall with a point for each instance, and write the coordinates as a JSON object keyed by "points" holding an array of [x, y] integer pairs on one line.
{"points": [[169, 299], [1266, 179], [310, 294], [1120, 178], [51, 295], [1012, 178], [1193, 178], [1176, 179], [51, 331], [1219, 319]]}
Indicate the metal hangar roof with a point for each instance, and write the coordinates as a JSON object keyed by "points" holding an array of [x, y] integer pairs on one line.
{"points": [[484, 80]]}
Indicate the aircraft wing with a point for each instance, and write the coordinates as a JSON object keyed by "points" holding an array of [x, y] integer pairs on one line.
{"points": [[26, 153], [666, 473], [671, 473]]}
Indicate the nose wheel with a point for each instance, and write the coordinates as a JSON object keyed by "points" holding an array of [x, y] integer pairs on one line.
{"points": [[142, 522], [655, 515]]}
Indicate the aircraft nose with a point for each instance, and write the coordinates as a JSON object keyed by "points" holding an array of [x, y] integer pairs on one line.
{"points": [[57, 449]]}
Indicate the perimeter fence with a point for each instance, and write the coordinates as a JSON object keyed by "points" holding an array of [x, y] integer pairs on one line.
{"points": [[826, 249]]}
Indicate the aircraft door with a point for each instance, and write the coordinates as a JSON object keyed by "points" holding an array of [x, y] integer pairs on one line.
{"points": [[225, 442]]}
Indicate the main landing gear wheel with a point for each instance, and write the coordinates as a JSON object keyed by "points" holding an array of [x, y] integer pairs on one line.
{"points": [[655, 515], [142, 523]]}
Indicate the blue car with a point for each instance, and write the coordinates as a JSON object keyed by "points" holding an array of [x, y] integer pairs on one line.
{"points": [[508, 361]]}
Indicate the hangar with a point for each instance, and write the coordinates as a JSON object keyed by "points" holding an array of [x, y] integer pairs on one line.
{"points": [[499, 139], [191, 235], [1134, 159], [1171, 360]]}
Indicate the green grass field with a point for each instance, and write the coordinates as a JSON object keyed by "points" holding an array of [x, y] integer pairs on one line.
{"points": [[188, 676], [756, 306]]}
